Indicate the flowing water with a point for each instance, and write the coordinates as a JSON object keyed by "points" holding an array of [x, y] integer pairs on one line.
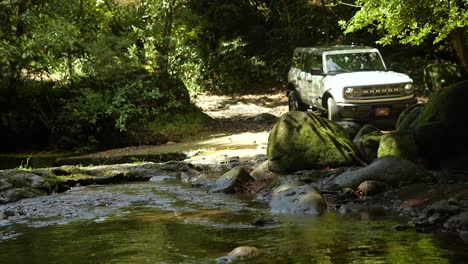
{"points": [[166, 222]]}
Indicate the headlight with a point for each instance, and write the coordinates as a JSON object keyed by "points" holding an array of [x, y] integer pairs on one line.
{"points": [[409, 88], [349, 92]]}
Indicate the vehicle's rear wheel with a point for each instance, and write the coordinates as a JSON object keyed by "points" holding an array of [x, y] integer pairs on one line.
{"points": [[332, 110], [294, 103]]}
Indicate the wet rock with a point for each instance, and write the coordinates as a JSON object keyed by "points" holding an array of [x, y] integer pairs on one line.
{"points": [[263, 222], [438, 214], [346, 193], [367, 142], [370, 188], [16, 185], [202, 180], [392, 170], [293, 199], [161, 178], [16, 194], [351, 128], [444, 207], [262, 172], [232, 181], [187, 176], [244, 252]]}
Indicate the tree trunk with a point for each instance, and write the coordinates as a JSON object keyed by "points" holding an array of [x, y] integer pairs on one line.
{"points": [[460, 43], [165, 46]]}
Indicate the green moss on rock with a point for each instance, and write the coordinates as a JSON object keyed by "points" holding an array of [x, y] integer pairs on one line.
{"points": [[302, 140], [397, 144], [440, 127]]}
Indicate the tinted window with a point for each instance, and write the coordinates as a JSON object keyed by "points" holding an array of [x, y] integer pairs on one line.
{"points": [[296, 63], [312, 62]]}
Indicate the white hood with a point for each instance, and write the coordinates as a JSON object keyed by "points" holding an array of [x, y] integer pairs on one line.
{"points": [[367, 78]]}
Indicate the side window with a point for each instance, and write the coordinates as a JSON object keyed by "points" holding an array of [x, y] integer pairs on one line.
{"points": [[312, 63], [296, 63], [307, 62], [317, 62]]}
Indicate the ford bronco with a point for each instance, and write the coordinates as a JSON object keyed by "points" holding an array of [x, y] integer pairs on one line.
{"points": [[347, 83]]}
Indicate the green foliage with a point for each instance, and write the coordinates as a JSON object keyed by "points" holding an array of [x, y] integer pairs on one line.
{"points": [[185, 123], [410, 21], [25, 166], [94, 74]]}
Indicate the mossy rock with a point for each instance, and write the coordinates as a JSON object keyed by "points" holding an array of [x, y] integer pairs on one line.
{"points": [[406, 119], [367, 142], [398, 144], [440, 127], [303, 140]]}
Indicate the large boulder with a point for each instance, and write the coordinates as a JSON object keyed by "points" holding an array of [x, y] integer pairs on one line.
{"points": [[392, 170], [303, 140], [440, 128]]}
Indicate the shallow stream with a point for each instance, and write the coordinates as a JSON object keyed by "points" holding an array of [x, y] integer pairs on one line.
{"points": [[168, 222]]}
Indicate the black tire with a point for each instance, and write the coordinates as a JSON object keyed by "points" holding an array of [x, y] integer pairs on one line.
{"points": [[332, 110], [294, 103]]}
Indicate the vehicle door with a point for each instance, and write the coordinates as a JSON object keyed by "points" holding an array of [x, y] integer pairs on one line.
{"points": [[314, 78]]}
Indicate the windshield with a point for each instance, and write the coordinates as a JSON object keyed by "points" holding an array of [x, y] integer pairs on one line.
{"points": [[349, 62]]}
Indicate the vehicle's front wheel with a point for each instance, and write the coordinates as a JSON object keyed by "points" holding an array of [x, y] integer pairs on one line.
{"points": [[294, 103], [332, 110]]}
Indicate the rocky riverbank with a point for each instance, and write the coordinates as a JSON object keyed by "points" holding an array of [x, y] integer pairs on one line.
{"points": [[356, 169]]}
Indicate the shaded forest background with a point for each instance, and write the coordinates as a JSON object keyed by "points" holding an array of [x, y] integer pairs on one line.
{"points": [[94, 74]]}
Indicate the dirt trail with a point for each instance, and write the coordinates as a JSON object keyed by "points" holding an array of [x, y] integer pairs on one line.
{"points": [[238, 130]]}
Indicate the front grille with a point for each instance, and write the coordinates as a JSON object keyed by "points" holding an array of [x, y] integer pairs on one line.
{"points": [[378, 91]]}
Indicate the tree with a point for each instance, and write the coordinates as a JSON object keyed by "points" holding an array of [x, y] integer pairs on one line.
{"points": [[415, 21]]}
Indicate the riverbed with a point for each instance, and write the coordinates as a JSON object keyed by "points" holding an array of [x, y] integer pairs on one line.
{"points": [[167, 221]]}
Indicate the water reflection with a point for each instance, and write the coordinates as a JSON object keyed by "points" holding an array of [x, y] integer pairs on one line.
{"points": [[191, 231]]}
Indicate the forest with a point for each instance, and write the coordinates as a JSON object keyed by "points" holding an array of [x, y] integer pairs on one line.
{"points": [[94, 74]]}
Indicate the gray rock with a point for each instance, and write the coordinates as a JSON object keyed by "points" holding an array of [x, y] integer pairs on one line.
{"points": [[232, 181], [202, 180], [392, 170], [293, 199], [265, 118], [351, 128], [262, 173], [369, 188], [367, 142]]}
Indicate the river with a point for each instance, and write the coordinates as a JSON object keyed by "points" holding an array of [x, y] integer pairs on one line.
{"points": [[169, 222]]}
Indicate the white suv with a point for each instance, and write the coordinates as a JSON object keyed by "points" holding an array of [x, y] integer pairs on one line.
{"points": [[347, 83]]}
